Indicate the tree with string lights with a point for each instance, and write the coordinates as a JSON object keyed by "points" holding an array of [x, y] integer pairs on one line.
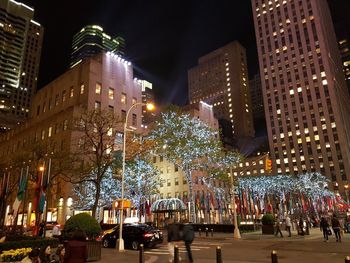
{"points": [[142, 180], [187, 142]]}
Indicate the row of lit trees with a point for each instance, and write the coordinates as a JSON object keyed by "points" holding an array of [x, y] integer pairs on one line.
{"points": [[93, 163]]}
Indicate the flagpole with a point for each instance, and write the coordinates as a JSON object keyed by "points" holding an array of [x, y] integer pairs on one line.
{"points": [[47, 189], [25, 197], [19, 183], [236, 233]]}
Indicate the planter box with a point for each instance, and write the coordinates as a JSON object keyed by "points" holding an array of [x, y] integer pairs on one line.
{"points": [[93, 250], [268, 229]]}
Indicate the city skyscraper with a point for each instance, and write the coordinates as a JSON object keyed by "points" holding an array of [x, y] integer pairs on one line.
{"points": [[305, 96], [221, 80], [20, 49], [257, 97], [92, 40]]}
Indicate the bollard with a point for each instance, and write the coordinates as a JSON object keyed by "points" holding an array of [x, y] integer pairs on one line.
{"points": [[206, 232], [347, 259], [212, 232], [141, 254], [274, 258], [176, 254], [218, 255]]}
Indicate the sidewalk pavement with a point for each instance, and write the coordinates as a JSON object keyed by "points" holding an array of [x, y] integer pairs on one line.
{"points": [[315, 233]]}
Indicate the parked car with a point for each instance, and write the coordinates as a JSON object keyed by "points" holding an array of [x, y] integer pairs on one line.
{"points": [[133, 235]]}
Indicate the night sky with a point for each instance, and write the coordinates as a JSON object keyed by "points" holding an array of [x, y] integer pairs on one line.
{"points": [[163, 38]]}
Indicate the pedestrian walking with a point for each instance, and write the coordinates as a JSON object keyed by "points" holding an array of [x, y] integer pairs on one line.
{"points": [[41, 229], [56, 232], [188, 237], [324, 227], [336, 227], [174, 237], [301, 226], [288, 225], [278, 227]]}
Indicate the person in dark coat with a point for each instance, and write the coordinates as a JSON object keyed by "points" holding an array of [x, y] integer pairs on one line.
{"points": [[336, 227], [174, 237], [324, 228], [301, 226], [188, 237], [41, 229], [75, 249]]}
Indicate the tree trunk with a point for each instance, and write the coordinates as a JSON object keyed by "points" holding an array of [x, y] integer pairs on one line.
{"points": [[192, 214], [97, 198]]}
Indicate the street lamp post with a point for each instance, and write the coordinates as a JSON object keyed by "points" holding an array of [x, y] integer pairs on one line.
{"points": [[120, 240], [347, 192], [236, 233]]}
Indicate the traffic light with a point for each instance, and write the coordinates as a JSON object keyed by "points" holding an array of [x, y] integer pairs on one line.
{"points": [[268, 165]]}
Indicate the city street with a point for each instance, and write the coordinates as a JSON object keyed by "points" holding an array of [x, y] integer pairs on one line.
{"points": [[253, 247]]}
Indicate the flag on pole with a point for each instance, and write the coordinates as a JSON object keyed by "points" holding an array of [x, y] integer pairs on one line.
{"points": [[20, 196]]}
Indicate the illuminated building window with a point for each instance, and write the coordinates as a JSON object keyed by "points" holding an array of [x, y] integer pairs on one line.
{"points": [[300, 89], [262, 171], [65, 125], [324, 82], [291, 92], [98, 88], [317, 138], [97, 105], [261, 161], [308, 139], [43, 134], [50, 132], [82, 87], [333, 125], [63, 96], [111, 93], [71, 92], [123, 98]]}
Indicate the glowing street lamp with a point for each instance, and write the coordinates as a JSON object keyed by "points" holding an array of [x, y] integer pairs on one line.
{"points": [[150, 107]]}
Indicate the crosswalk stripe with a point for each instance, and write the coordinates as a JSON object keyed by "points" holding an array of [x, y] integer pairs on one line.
{"points": [[157, 253]]}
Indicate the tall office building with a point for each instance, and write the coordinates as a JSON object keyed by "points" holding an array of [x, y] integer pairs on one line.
{"points": [[305, 96], [257, 97], [221, 80], [344, 48], [20, 49], [147, 97], [92, 40]]}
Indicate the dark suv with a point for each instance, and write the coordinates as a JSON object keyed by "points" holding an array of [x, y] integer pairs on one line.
{"points": [[133, 235]]}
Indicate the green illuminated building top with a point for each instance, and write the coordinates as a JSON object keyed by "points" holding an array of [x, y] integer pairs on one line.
{"points": [[91, 40]]}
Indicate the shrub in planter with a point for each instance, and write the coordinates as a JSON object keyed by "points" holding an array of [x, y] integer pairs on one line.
{"points": [[91, 229], [84, 222], [268, 221]]}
